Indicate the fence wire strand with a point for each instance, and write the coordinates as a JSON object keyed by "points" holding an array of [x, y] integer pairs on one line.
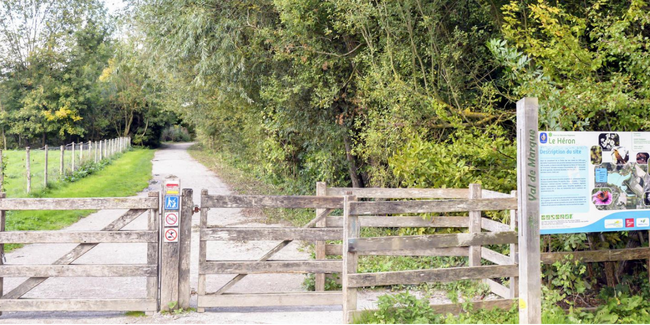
{"points": [[14, 163]]}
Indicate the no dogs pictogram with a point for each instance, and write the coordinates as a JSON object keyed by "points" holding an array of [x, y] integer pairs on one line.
{"points": [[171, 235], [171, 219]]}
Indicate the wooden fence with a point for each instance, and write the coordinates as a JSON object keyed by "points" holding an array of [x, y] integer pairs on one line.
{"points": [[325, 228], [86, 240], [474, 222], [264, 264], [368, 213], [42, 165]]}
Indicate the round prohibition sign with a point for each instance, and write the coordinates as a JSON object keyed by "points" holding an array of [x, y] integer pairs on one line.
{"points": [[171, 235], [171, 219]]}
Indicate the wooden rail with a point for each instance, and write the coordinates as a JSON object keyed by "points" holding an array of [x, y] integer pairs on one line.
{"points": [[373, 213], [436, 206], [79, 203], [627, 254], [86, 240], [323, 206], [270, 201]]}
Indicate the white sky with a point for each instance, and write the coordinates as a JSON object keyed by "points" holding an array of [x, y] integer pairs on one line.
{"points": [[114, 5]]}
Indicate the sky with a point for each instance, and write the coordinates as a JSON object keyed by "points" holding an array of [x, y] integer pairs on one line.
{"points": [[114, 5]]}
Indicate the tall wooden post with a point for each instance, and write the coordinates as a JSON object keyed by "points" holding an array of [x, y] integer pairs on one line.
{"points": [[185, 243], [29, 172], [73, 157], [152, 250], [321, 190], [2, 246], [203, 222], [351, 231], [45, 169], [101, 153], [81, 153], [61, 160], [475, 225], [2, 171], [530, 277], [514, 259], [170, 252]]}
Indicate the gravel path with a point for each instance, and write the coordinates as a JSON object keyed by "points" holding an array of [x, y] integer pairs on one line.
{"points": [[173, 160]]}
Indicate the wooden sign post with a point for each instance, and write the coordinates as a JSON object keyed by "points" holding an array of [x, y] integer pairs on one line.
{"points": [[170, 248], [530, 274]]}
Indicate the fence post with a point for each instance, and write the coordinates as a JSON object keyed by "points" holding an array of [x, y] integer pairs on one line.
{"points": [[73, 158], [203, 222], [514, 281], [319, 278], [2, 246], [170, 245], [152, 251], [530, 273], [101, 155], [61, 165], [96, 145], [45, 170], [105, 156], [475, 225], [2, 175], [185, 239], [351, 231], [81, 153], [29, 173]]}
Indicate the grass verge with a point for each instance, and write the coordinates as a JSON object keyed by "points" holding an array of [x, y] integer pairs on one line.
{"points": [[15, 180], [124, 176], [244, 182]]}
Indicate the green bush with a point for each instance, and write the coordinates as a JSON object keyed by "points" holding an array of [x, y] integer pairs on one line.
{"points": [[402, 308]]}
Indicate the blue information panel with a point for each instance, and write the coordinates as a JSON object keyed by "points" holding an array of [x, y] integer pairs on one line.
{"points": [[594, 181], [171, 202]]}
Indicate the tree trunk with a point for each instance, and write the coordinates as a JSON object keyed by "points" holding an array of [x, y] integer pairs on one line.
{"points": [[352, 165]]}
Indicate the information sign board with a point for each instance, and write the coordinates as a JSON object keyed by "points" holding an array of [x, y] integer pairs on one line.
{"points": [[594, 181]]}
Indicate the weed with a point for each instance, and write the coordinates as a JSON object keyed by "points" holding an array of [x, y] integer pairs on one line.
{"points": [[135, 314], [173, 309]]}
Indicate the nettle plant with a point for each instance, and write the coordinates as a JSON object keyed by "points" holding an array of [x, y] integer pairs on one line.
{"points": [[567, 280]]}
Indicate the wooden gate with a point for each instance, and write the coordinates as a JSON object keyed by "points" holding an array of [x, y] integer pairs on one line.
{"points": [[471, 244], [264, 264], [86, 240]]}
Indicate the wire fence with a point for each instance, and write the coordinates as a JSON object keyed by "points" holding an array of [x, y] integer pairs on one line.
{"points": [[32, 169]]}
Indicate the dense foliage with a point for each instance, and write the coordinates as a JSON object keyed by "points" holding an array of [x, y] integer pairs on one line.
{"points": [[64, 76], [406, 93]]}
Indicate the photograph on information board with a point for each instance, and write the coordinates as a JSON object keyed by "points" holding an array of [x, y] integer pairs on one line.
{"points": [[594, 181]]}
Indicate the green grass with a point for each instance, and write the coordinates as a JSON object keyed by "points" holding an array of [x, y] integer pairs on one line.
{"points": [[15, 181], [135, 314], [124, 176], [236, 175]]}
